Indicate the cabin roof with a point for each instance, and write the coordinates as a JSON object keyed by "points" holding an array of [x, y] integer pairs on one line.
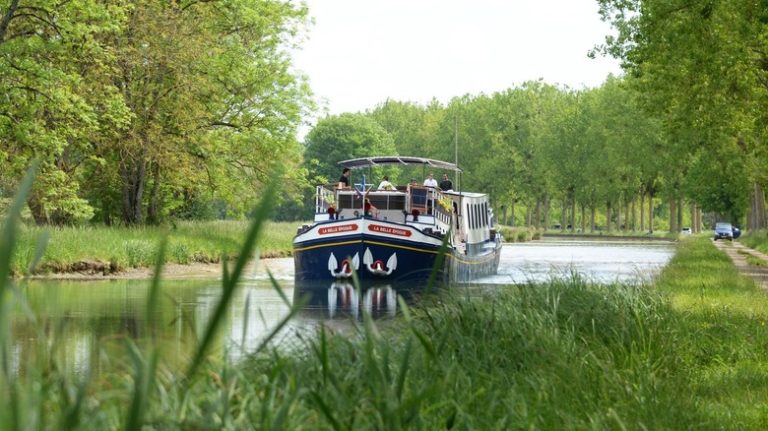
{"points": [[364, 162]]}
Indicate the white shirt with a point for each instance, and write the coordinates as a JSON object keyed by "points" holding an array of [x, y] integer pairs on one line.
{"points": [[386, 185], [430, 182]]}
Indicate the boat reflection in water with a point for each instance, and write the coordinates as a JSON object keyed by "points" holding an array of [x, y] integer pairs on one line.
{"points": [[342, 300]]}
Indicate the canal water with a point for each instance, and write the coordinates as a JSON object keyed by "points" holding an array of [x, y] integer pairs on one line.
{"points": [[81, 320]]}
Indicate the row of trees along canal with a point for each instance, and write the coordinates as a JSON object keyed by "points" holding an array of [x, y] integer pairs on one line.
{"points": [[589, 158]]}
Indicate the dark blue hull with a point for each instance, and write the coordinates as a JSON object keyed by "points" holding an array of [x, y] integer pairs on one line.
{"points": [[378, 252]]}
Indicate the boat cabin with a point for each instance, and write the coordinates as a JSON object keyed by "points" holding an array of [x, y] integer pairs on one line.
{"points": [[467, 216]]}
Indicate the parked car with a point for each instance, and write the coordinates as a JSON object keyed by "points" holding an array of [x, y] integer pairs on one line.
{"points": [[724, 231], [686, 231], [736, 232]]}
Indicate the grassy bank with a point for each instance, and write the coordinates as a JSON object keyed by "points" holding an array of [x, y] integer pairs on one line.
{"points": [[722, 336], [612, 234], [756, 239], [686, 353], [111, 249], [519, 233]]}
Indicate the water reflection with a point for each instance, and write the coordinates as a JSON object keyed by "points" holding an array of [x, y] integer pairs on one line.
{"points": [[342, 300], [84, 325]]}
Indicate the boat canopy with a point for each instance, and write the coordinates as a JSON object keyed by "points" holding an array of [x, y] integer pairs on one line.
{"points": [[365, 162]]}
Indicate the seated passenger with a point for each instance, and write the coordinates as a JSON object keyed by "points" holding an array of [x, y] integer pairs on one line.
{"points": [[386, 185]]}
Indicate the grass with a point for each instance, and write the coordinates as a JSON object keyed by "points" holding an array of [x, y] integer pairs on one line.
{"points": [[688, 352], [519, 233], [111, 249], [756, 239], [751, 259], [722, 325]]}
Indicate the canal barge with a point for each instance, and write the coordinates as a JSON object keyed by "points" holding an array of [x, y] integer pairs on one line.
{"points": [[395, 236]]}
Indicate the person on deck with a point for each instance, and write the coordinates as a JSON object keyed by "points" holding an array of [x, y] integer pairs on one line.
{"points": [[430, 181], [369, 209], [386, 185], [344, 180], [446, 183]]}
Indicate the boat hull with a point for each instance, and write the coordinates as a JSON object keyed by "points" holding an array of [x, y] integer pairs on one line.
{"points": [[380, 252]]}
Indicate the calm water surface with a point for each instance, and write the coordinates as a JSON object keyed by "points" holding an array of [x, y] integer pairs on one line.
{"points": [[81, 320]]}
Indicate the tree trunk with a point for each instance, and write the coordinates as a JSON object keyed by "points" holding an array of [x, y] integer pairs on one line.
{"points": [[537, 222], [608, 217], [642, 212], [583, 219], [528, 214], [573, 215], [626, 217], [698, 218], [563, 216], [133, 175], [650, 212], [694, 228], [153, 210], [504, 214], [37, 210], [593, 213], [546, 212], [633, 224], [672, 215], [512, 213], [756, 217]]}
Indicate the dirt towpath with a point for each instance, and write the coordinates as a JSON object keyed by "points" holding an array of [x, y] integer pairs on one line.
{"points": [[739, 253]]}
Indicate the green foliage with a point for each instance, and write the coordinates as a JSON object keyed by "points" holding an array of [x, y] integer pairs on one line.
{"points": [[344, 137], [148, 109]]}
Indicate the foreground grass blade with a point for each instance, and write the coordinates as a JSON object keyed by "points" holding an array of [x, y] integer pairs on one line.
{"points": [[143, 380], [8, 234], [229, 282], [439, 262], [154, 289], [42, 244]]}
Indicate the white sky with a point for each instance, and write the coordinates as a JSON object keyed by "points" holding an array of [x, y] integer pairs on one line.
{"points": [[361, 52]]}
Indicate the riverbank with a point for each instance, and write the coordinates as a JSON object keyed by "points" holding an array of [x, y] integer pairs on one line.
{"points": [[130, 252], [615, 235]]}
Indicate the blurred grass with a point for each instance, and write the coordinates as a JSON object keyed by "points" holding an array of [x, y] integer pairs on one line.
{"points": [[111, 249], [756, 239]]}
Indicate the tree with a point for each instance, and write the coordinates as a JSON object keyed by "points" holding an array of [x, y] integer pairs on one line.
{"points": [[343, 137]]}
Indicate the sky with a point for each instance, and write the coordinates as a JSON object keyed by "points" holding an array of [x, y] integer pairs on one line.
{"points": [[359, 53]]}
